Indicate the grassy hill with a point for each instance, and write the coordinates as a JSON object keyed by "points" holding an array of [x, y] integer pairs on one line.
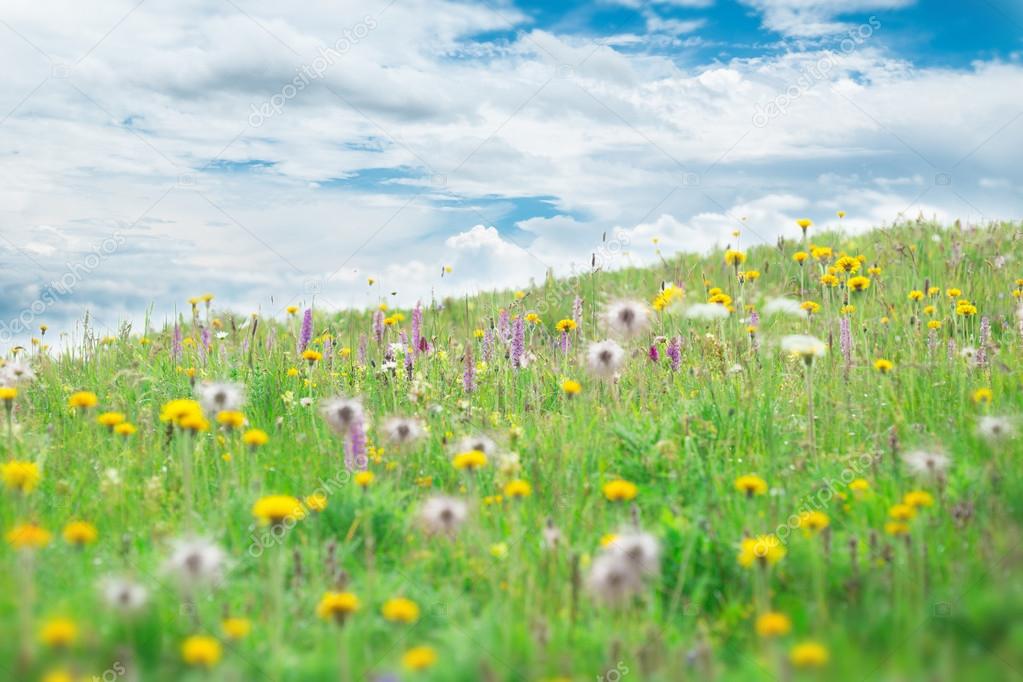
{"points": [[782, 468]]}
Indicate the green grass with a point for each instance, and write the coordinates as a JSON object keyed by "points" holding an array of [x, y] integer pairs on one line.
{"points": [[943, 602]]}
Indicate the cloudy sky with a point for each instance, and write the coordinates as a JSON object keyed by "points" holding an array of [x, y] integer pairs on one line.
{"points": [[275, 152]]}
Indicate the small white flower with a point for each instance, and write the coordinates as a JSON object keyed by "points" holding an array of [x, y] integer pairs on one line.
{"points": [[627, 319], [403, 430], [195, 562], [219, 396], [123, 594], [641, 550], [442, 515], [996, 429], [16, 374], [925, 463], [707, 311], [480, 442], [612, 579], [807, 347], [605, 358], [784, 306], [341, 413], [221, 335]]}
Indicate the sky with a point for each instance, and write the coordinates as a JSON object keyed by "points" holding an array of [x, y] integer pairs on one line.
{"points": [[276, 154]]}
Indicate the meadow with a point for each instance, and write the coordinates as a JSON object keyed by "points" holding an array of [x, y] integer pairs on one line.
{"points": [[789, 461]]}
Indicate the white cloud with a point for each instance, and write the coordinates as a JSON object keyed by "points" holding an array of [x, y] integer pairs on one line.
{"points": [[393, 160], [816, 17]]}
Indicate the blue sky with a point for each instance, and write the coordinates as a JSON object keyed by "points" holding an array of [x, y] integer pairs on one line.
{"points": [[151, 152]]}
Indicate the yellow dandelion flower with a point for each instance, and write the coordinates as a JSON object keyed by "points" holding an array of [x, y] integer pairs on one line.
{"points": [[83, 400], [255, 438], [773, 624], [201, 651], [762, 550], [419, 658], [982, 396], [80, 533], [751, 485], [470, 461], [275, 509], [337, 606], [620, 490], [808, 655], [236, 628], [571, 387], [518, 489], [364, 479], [20, 476], [400, 610], [58, 633], [883, 366], [28, 536], [813, 521]]}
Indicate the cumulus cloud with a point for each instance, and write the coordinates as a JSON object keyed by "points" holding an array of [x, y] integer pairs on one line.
{"points": [[273, 156]]}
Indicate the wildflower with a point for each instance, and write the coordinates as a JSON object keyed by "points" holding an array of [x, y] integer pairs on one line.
{"points": [[916, 499], [934, 324], [982, 396], [923, 463], [620, 490], [901, 512], [751, 485], [337, 606], [916, 295], [751, 275], [517, 489], [219, 396], [612, 579], [858, 283], [806, 347], [605, 358], [804, 224], [471, 460], [477, 442], [83, 400], [640, 550], [808, 655], [570, 387], [8, 394], [859, 485], [110, 419], [312, 356], [58, 633], [20, 476], [821, 253], [15, 374], [442, 515], [707, 311], [28, 536], [995, 429], [400, 610], [276, 509], [812, 521], [201, 651], [341, 413], [316, 502], [419, 658], [195, 562], [883, 366], [787, 306], [236, 628], [80, 533], [230, 419], [829, 280], [764, 550], [180, 409], [810, 307], [364, 479], [403, 430], [734, 258], [773, 624], [953, 292], [124, 595], [254, 438], [627, 318], [800, 256], [667, 296], [847, 264]]}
